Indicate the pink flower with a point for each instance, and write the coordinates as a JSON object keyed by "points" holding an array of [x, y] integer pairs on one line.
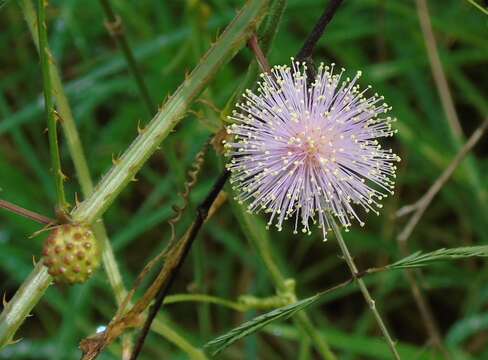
{"points": [[301, 150]]}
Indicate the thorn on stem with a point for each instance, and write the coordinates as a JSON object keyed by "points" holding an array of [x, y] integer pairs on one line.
{"points": [[13, 342], [63, 176], [115, 159], [77, 200], [115, 28], [140, 130]]}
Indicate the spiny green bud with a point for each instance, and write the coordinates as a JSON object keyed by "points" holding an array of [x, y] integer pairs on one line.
{"points": [[71, 253]]}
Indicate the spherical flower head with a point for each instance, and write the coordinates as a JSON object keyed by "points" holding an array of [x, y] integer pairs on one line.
{"points": [[308, 149]]}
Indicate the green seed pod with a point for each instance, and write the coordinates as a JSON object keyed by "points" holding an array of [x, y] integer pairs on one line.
{"points": [[71, 253]]}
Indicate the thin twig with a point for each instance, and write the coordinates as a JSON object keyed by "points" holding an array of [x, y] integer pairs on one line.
{"points": [[116, 29], [437, 70], [49, 107], [456, 129], [202, 212], [423, 305], [421, 205], [19, 210], [308, 47], [362, 286], [260, 57]]}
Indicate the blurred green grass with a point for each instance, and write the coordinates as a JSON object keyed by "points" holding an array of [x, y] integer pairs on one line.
{"points": [[382, 38]]}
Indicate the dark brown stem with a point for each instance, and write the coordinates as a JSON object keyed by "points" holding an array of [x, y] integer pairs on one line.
{"points": [[202, 212], [26, 213], [308, 47]]}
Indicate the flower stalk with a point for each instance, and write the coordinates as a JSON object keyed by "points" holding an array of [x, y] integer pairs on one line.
{"points": [[364, 290]]}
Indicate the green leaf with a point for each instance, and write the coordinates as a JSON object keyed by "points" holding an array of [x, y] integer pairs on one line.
{"points": [[416, 259], [249, 327], [419, 259]]}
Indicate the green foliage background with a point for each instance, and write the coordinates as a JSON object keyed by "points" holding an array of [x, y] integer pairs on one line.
{"points": [[381, 38]]}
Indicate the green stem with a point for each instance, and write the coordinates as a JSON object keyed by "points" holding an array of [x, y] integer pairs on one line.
{"points": [[45, 57], [362, 286], [146, 143], [117, 178], [304, 353], [19, 307], [478, 6], [116, 30], [209, 299], [198, 43], [245, 303], [260, 241], [78, 156], [302, 320], [160, 327]]}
